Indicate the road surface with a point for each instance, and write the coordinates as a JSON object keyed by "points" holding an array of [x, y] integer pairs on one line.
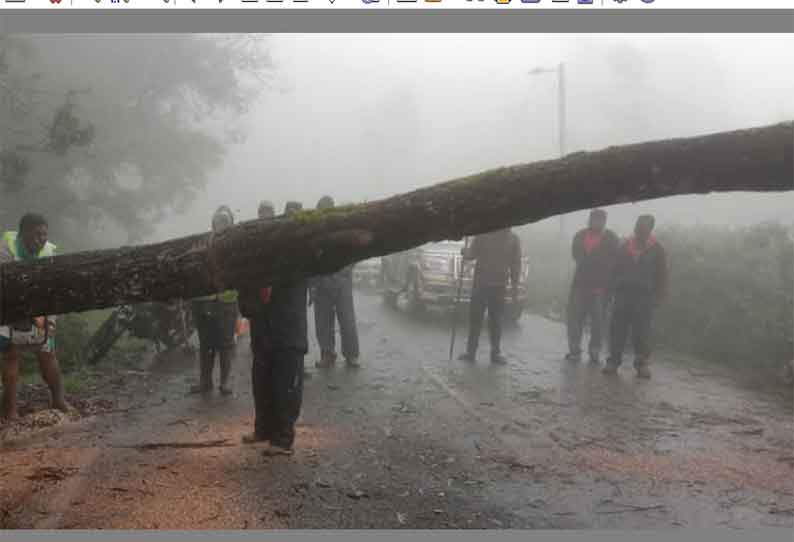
{"points": [[412, 440]]}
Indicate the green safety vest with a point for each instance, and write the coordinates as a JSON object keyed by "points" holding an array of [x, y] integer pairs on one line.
{"points": [[15, 247], [18, 250]]}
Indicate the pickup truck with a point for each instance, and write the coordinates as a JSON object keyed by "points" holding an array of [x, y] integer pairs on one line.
{"points": [[429, 276]]}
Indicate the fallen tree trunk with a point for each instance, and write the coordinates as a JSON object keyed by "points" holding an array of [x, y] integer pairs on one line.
{"points": [[317, 242]]}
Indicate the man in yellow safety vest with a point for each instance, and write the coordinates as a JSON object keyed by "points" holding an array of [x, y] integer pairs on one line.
{"points": [[36, 334]]}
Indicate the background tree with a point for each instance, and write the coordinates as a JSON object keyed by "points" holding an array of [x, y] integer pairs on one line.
{"points": [[110, 134]]}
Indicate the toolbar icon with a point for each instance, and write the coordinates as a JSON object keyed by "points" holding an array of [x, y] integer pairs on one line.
{"points": [[55, 1], [530, 1], [585, 1]]}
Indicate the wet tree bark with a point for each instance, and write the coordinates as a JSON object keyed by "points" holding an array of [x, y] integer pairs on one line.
{"points": [[317, 242]]}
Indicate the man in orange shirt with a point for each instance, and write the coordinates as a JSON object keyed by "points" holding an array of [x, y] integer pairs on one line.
{"points": [[639, 283], [594, 250]]}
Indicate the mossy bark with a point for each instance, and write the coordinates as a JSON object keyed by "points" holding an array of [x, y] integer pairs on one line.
{"points": [[317, 242]]}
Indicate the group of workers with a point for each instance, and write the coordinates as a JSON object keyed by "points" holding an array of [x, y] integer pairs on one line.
{"points": [[625, 278]]}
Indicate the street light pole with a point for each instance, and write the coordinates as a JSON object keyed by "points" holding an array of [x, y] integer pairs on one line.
{"points": [[561, 127]]}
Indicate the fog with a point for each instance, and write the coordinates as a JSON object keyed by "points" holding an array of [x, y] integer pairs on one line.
{"points": [[362, 117]]}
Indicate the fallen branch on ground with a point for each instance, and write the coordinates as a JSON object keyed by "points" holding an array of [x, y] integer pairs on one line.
{"points": [[51, 473]]}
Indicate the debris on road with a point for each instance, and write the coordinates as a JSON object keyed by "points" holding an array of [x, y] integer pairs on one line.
{"points": [[357, 494], [49, 473], [187, 445], [750, 432], [633, 508]]}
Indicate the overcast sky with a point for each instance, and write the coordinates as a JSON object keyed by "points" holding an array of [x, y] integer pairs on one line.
{"points": [[366, 116]]}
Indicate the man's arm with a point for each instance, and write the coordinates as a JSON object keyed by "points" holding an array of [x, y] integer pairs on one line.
{"points": [[515, 263], [616, 269], [472, 252], [611, 250], [247, 302], [662, 276], [577, 246]]}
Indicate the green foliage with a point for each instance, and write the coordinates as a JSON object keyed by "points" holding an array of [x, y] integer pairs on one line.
{"points": [[731, 291], [72, 336], [731, 294]]}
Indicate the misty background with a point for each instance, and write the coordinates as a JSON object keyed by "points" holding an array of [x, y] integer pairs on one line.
{"points": [[362, 117], [138, 138]]}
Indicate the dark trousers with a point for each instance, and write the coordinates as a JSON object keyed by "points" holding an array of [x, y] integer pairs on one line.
{"points": [[331, 305], [491, 298], [633, 312], [584, 304], [277, 376]]}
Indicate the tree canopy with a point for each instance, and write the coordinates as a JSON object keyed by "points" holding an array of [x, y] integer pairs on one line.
{"points": [[113, 133]]}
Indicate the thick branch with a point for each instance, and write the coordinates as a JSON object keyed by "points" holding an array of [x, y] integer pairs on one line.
{"points": [[317, 242]]}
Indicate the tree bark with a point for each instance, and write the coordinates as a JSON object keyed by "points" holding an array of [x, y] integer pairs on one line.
{"points": [[317, 242]]}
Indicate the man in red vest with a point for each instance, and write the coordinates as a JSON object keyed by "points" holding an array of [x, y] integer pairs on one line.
{"points": [[594, 249], [639, 283]]}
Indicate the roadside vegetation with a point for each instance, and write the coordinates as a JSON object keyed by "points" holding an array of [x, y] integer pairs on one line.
{"points": [[730, 301]]}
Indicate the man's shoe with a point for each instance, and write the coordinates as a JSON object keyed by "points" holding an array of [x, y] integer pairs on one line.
{"points": [[225, 390], [326, 361], [275, 449], [198, 388], [352, 363], [253, 438], [573, 356], [498, 359], [594, 359], [467, 356], [643, 372], [610, 369]]}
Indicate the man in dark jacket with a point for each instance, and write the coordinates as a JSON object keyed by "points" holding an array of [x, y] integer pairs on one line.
{"points": [[594, 251], [332, 296], [639, 283], [277, 315], [498, 256]]}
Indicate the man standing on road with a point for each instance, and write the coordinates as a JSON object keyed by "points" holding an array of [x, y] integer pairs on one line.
{"points": [[216, 320], [291, 208], [594, 251], [332, 296], [639, 283], [29, 244], [279, 344], [498, 256]]}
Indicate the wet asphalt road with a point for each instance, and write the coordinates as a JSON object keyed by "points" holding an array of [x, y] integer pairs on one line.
{"points": [[413, 440]]}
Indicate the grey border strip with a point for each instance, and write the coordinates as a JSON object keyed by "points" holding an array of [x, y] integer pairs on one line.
{"points": [[721, 535], [396, 21]]}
